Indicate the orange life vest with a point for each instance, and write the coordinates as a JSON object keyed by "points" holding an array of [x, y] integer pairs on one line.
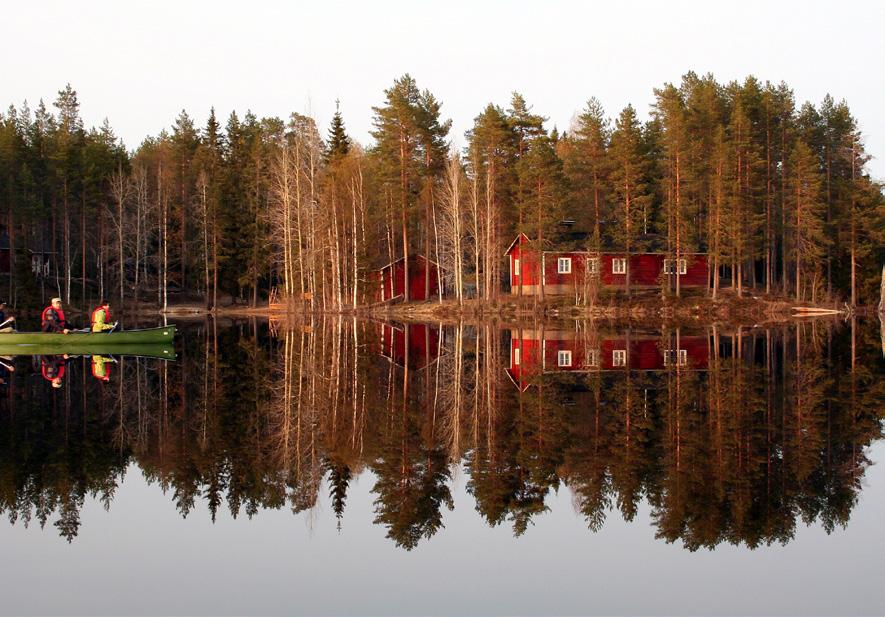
{"points": [[59, 373], [61, 317], [107, 371], [107, 314]]}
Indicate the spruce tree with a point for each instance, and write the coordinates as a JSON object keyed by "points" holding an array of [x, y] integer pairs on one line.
{"points": [[338, 141]]}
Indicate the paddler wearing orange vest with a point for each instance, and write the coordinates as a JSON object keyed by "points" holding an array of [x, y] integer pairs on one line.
{"points": [[101, 316], [53, 318]]}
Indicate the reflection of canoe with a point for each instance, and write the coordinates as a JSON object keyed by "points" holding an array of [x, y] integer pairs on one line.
{"points": [[148, 350], [148, 335]]}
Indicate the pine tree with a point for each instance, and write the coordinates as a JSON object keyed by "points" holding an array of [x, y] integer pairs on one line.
{"points": [[491, 163], [809, 228], [525, 127], [671, 113], [185, 141], [397, 125], [540, 170], [586, 165], [630, 193]]}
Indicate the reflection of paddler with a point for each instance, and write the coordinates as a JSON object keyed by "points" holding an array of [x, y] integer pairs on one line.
{"points": [[7, 322], [100, 368], [6, 367], [53, 369]]}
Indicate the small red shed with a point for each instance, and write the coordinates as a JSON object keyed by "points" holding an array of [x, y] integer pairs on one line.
{"points": [[423, 279]]}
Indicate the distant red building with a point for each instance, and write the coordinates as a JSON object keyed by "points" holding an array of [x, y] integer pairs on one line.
{"points": [[533, 353], [423, 279], [562, 272], [413, 345]]}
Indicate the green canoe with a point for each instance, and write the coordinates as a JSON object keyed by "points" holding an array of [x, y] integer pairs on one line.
{"points": [[78, 338], [147, 350]]}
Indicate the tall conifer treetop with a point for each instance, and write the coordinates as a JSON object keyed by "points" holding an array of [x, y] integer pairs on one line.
{"points": [[339, 142]]}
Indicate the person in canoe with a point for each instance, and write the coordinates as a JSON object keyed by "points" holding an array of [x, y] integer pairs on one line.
{"points": [[101, 316], [53, 369], [53, 318], [7, 321]]}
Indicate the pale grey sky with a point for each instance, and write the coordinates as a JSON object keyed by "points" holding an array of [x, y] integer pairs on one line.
{"points": [[140, 63]]}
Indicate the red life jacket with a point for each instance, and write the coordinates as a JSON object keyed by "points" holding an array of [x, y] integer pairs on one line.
{"points": [[107, 314], [61, 317], [45, 373]]}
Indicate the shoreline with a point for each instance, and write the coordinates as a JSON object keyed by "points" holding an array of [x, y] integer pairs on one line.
{"points": [[750, 310]]}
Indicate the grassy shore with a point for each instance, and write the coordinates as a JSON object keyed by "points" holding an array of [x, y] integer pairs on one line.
{"points": [[648, 308]]}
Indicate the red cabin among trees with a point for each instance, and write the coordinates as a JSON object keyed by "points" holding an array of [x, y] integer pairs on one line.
{"points": [[533, 353], [562, 272], [424, 279]]}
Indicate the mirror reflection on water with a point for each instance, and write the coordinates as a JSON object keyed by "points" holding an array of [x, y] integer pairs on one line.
{"points": [[717, 436]]}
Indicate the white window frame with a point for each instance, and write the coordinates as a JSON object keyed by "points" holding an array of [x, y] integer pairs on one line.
{"points": [[619, 265], [564, 265], [619, 357], [593, 358], [516, 356], [593, 265], [680, 355], [564, 358], [516, 266], [670, 269]]}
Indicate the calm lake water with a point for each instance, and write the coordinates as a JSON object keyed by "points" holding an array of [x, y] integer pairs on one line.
{"points": [[354, 467]]}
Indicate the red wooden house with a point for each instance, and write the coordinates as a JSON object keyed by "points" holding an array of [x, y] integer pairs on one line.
{"points": [[413, 345], [533, 353], [423, 279], [562, 272]]}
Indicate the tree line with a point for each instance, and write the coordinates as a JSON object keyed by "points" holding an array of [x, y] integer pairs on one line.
{"points": [[777, 194]]}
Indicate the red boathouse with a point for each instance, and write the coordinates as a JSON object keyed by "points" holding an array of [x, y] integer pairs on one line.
{"points": [[563, 272], [423, 280]]}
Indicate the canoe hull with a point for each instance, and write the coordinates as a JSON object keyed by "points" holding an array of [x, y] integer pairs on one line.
{"points": [[127, 337]]}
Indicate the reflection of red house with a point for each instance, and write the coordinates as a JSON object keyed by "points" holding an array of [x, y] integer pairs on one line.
{"points": [[413, 345], [533, 353], [423, 279], [561, 272]]}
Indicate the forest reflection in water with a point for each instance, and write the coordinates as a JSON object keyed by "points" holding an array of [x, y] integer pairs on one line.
{"points": [[731, 435]]}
